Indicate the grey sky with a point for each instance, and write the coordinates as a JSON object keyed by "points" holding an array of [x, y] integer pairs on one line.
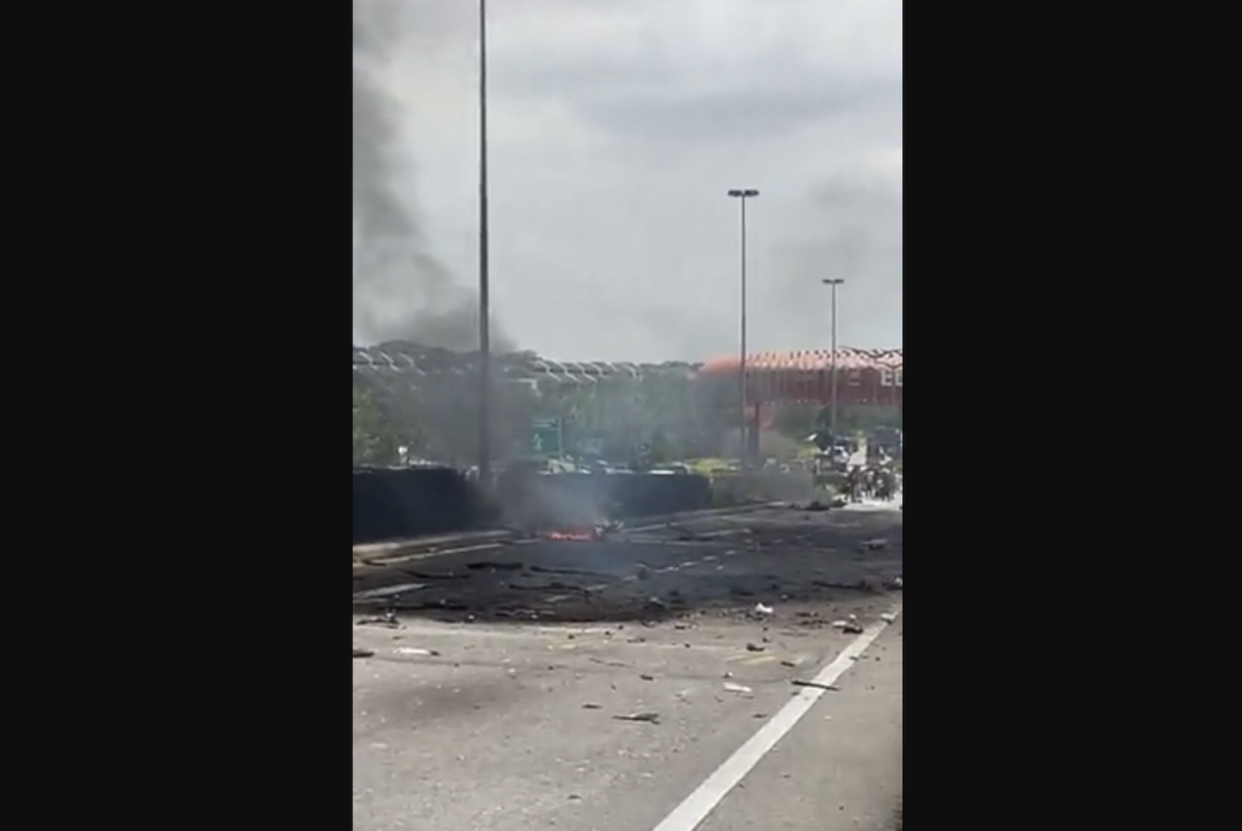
{"points": [[617, 127]]}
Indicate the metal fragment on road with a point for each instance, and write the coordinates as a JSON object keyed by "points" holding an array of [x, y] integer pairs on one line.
{"points": [[410, 650], [729, 686], [650, 718], [850, 626], [815, 684], [760, 609], [388, 619], [888, 617], [363, 653], [754, 647]]}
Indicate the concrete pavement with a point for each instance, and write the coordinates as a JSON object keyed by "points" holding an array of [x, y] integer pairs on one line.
{"points": [[498, 700]]}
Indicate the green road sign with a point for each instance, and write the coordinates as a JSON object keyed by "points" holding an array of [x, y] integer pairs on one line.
{"points": [[545, 437]]}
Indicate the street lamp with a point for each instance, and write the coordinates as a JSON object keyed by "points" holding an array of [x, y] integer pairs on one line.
{"points": [[742, 195], [485, 335], [832, 407]]}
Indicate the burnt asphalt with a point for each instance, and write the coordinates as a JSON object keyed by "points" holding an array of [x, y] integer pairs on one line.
{"points": [[711, 565]]}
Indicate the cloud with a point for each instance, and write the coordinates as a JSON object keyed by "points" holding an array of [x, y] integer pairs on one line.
{"points": [[616, 129]]}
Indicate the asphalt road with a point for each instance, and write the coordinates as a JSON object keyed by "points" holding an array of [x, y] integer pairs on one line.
{"points": [[498, 692]]}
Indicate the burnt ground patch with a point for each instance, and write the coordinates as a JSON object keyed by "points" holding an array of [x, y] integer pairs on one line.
{"points": [[780, 556]]}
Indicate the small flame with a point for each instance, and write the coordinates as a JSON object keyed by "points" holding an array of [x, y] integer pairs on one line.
{"points": [[575, 536]]}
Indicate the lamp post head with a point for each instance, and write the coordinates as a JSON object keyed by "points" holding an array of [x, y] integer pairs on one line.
{"points": [[834, 281], [744, 193]]}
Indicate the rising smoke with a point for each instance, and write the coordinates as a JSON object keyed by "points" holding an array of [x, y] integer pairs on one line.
{"points": [[401, 291]]}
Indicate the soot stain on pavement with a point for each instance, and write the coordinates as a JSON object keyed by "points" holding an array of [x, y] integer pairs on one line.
{"points": [[784, 560]]}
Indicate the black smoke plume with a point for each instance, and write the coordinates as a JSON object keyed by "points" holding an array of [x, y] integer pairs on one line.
{"points": [[401, 292]]}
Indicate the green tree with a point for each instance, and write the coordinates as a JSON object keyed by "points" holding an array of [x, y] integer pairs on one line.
{"points": [[373, 442]]}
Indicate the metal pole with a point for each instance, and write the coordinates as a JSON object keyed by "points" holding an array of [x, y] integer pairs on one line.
{"points": [[485, 337], [743, 195], [744, 447], [832, 406], [832, 420]]}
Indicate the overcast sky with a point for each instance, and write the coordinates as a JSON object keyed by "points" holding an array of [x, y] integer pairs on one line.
{"points": [[616, 126]]}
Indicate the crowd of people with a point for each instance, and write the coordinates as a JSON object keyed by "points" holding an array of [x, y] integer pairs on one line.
{"points": [[871, 482]]}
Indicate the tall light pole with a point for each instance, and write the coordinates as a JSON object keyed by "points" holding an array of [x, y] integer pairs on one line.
{"points": [[742, 195], [832, 407], [485, 335]]}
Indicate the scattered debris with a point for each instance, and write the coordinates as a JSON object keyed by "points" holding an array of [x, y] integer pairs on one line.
{"points": [[389, 619], [851, 626], [409, 650], [656, 604], [363, 653], [888, 617], [897, 582], [791, 664], [590, 706], [760, 609], [875, 545], [754, 647], [736, 688], [815, 685], [650, 718], [646, 677]]}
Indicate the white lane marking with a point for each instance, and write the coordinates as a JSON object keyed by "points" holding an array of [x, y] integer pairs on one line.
{"points": [[690, 813]]}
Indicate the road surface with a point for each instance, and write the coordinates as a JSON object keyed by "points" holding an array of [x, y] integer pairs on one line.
{"points": [[501, 697]]}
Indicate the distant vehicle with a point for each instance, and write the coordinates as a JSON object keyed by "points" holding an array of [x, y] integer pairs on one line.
{"points": [[671, 470]]}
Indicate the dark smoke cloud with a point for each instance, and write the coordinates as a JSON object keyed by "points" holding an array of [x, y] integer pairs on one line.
{"points": [[401, 292]]}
